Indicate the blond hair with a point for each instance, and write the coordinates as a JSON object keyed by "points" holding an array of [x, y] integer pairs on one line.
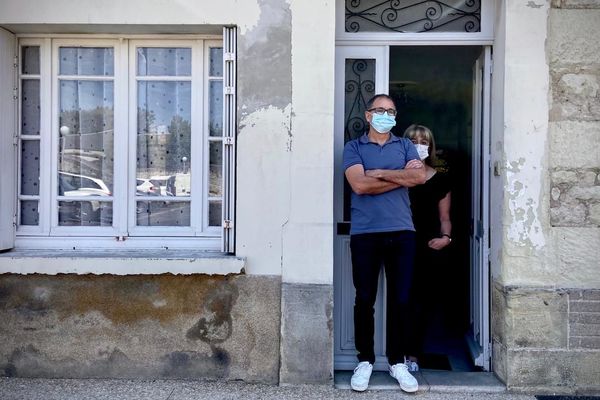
{"points": [[421, 131]]}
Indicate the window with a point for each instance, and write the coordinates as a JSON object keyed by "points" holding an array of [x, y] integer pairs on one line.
{"points": [[122, 141]]}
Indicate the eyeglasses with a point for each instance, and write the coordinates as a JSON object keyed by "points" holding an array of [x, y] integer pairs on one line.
{"points": [[380, 110]]}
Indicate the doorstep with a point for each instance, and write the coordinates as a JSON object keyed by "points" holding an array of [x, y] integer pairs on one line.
{"points": [[431, 381]]}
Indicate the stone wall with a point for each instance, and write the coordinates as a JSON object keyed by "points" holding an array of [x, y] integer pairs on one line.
{"points": [[546, 323], [195, 326]]}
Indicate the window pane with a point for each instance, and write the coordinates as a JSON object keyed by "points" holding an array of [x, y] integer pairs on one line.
{"points": [[86, 137], [216, 61], [164, 133], [216, 108], [30, 167], [29, 213], [84, 213], [214, 213], [413, 16], [30, 56], [162, 61], [163, 213], [30, 107], [216, 169], [86, 61]]}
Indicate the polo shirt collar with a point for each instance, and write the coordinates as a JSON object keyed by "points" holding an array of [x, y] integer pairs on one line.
{"points": [[364, 139]]}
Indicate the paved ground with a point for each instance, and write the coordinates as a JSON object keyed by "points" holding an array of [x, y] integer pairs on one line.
{"points": [[92, 389]]}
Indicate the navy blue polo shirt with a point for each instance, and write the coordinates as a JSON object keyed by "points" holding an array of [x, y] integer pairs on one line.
{"points": [[385, 212]]}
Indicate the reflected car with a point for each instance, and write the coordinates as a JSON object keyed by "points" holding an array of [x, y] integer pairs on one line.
{"points": [[147, 187], [82, 212]]}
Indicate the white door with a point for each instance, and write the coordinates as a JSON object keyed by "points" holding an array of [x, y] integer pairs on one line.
{"points": [[8, 176], [478, 337], [361, 72]]}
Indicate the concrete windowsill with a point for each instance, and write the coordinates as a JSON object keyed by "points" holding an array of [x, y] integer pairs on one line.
{"points": [[122, 262]]}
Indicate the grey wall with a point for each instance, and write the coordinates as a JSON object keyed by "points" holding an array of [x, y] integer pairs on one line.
{"points": [[194, 326]]}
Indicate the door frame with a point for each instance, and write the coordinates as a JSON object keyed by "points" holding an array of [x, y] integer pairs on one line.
{"points": [[372, 49]]}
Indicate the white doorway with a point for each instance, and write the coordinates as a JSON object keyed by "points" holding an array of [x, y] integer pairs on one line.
{"points": [[411, 75]]}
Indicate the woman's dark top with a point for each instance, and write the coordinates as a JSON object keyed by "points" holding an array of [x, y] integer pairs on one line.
{"points": [[424, 203]]}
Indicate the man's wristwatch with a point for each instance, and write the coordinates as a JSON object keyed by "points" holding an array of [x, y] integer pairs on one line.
{"points": [[448, 236]]}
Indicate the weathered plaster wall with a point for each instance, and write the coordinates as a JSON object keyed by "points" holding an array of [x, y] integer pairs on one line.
{"points": [[284, 197], [140, 326], [546, 292]]}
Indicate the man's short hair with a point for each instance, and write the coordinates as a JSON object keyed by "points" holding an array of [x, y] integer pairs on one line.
{"points": [[379, 96]]}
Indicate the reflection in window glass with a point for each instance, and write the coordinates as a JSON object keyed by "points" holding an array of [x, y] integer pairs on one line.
{"points": [[30, 64], [29, 212], [161, 61], [97, 61], [214, 213], [216, 169], [215, 119], [84, 213], [163, 213], [86, 124], [30, 107], [216, 61], [30, 167], [164, 135]]}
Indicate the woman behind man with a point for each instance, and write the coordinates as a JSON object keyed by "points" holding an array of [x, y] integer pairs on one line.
{"points": [[430, 204]]}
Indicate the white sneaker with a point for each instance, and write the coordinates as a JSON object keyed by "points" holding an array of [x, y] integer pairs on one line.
{"points": [[361, 376], [408, 383], [411, 365]]}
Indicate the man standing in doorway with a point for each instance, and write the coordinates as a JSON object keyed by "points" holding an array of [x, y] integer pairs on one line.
{"points": [[380, 167]]}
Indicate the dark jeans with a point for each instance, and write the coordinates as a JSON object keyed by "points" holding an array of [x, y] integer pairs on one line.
{"points": [[396, 251]]}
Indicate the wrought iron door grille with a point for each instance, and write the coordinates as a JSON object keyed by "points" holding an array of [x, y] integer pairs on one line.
{"points": [[413, 16]]}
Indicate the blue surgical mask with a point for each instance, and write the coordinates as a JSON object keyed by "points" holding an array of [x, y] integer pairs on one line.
{"points": [[382, 123]]}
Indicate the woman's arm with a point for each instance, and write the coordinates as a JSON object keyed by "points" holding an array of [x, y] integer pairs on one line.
{"points": [[445, 224]]}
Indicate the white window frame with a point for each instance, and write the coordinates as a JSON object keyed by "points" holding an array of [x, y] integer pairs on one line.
{"points": [[119, 104], [485, 36], [196, 144], [122, 235]]}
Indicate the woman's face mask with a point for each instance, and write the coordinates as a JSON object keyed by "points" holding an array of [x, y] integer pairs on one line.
{"points": [[423, 151]]}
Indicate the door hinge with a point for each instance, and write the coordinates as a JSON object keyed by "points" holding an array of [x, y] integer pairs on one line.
{"points": [[15, 93], [227, 224], [229, 56], [15, 220], [228, 141], [15, 140], [491, 66], [229, 90], [16, 62]]}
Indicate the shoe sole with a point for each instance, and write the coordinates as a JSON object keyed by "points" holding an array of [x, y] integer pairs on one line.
{"points": [[409, 390], [359, 389]]}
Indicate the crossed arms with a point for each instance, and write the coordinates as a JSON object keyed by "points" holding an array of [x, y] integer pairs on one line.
{"points": [[376, 181]]}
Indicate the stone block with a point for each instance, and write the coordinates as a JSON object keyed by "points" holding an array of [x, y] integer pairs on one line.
{"points": [[584, 306], [585, 318], [577, 255], [572, 37], [584, 294], [575, 145], [534, 318], [594, 213], [306, 334], [554, 371], [574, 96], [583, 4], [586, 342]]}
